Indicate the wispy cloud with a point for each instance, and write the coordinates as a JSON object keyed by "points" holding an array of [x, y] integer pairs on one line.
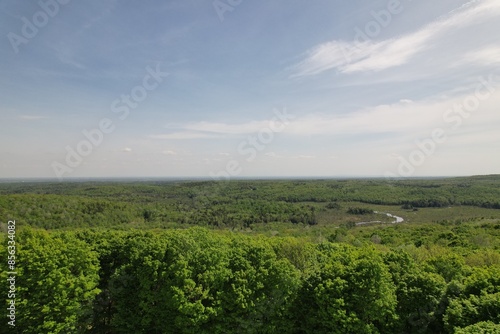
{"points": [[181, 135], [486, 56], [396, 117], [405, 117], [31, 117], [223, 128], [370, 55], [401, 119], [205, 130], [169, 152], [271, 154]]}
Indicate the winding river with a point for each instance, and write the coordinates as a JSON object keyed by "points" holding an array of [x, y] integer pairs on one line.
{"points": [[396, 219]]}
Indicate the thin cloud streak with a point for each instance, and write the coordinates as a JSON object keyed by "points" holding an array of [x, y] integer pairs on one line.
{"points": [[235, 129], [404, 117], [486, 56], [355, 56], [182, 135], [32, 117]]}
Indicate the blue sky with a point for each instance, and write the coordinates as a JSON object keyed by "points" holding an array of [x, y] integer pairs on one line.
{"points": [[249, 88]]}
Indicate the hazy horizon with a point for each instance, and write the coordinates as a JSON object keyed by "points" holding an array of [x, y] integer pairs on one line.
{"points": [[218, 89], [237, 178]]}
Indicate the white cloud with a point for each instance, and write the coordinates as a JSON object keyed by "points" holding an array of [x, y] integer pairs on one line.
{"points": [[32, 117], [370, 55], [476, 139], [127, 149], [203, 129], [184, 135], [406, 118], [169, 152], [398, 117], [486, 56], [235, 129]]}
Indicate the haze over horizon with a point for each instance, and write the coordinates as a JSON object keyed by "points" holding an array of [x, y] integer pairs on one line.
{"points": [[249, 89]]}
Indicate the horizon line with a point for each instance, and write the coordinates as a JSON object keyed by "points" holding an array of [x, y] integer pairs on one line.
{"points": [[239, 178]]}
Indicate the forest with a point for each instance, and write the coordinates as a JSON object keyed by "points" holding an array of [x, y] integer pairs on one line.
{"points": [[253, 256]]}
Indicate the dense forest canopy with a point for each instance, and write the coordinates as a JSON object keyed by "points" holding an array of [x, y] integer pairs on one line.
{"points": [[268, 256], [233, 204]]}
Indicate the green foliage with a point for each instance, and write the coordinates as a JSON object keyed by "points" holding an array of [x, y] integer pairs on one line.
{"points": [[484, 327], [351, 292], [201, 281], [419, 294], [419, 297], [478, 301], [192, 281], [240, 204], [271, 256], [56, 283], [359, 211], [450, 266], [333, 206]]}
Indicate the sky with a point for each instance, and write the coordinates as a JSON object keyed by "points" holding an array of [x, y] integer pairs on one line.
{"points": [[237, 88]]}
